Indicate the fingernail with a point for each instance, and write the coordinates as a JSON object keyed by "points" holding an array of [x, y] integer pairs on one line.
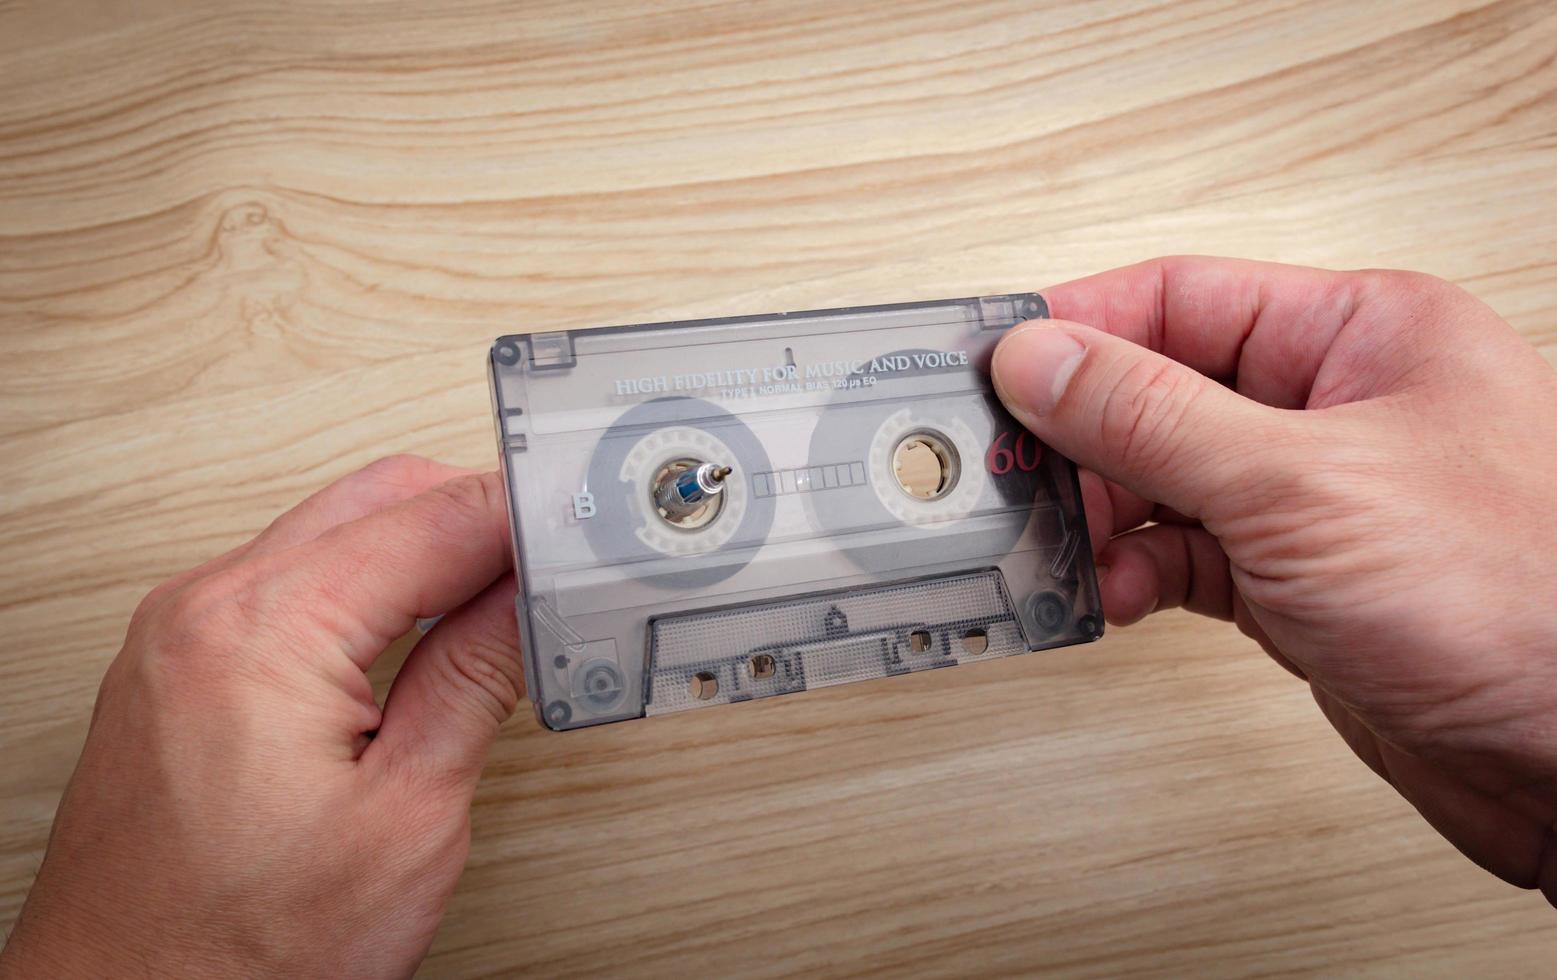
{"points": [[1033, 365]]}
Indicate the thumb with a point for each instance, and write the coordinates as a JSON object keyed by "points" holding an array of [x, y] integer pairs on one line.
{"points": [[1138, 418], [459, 684]]}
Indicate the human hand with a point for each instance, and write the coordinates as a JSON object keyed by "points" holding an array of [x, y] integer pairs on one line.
{"points": [[1368, 493], [242, 806]]}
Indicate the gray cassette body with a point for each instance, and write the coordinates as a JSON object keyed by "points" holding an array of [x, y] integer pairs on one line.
{"points": [[882, 513]]}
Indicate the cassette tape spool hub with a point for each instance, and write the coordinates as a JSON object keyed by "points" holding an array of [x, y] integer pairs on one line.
{"points": [[721, 510], [686, 492]]}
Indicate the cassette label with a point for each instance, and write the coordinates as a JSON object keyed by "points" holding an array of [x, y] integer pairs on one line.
{"points": [[720, 510]]}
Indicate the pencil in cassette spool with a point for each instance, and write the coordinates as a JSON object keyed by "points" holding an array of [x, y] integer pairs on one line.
{"points": [[716, 511], [635, 475]]}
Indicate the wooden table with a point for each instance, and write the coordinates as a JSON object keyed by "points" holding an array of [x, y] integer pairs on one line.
{"points": [[247, 247]]}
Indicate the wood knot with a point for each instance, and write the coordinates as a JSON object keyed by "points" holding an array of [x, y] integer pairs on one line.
{"points": [[248, 216]]}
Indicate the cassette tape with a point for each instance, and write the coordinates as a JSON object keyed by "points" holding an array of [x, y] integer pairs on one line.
{"points": [[722, 510]]}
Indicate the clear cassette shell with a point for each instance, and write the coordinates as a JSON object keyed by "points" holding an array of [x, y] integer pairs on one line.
{"points": [[721, 510]]}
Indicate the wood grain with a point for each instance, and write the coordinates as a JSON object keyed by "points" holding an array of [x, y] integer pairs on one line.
{"points": [[247, 247]]}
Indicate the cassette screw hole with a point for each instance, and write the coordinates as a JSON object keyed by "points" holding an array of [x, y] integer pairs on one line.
{"points": [[763, 666], [919, 641], [925, 465], [975, 641], [704, 685], [1051, 610]]}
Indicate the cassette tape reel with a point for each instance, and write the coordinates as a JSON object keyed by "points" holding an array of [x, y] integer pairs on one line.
{"points": [[721, 510]]}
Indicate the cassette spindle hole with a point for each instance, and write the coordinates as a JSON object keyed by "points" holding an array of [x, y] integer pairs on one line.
{"points": [[687, 493], [763, 666], [975, 641], [919, 641], [926, 465], [704, 686]]}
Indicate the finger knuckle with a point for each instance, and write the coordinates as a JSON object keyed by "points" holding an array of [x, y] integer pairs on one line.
{"points": [[195, 604], [469, 500], [1408, 280], [487, 668], [204, 609], [400, 471], [397, 468], [1143, 410], [151, 602], [1419, 291]]}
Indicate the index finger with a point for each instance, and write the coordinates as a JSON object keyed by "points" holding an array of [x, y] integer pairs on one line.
{"points": [[1263, 327], [372, 488], [368, 581]]}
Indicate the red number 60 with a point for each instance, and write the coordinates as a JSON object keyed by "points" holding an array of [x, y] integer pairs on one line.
{"points": [[1000, 460]]}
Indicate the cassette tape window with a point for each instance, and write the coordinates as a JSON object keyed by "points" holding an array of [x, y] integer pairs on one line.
{"points": [[721, 510]]}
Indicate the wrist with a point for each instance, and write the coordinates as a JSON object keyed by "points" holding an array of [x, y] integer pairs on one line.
{"points": [[42, 944], [75, 929]]}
